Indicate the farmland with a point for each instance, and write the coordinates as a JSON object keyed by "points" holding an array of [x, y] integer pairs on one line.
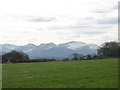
{"points": [[61, 74]]}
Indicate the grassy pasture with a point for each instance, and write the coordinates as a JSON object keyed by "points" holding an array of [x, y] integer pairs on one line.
{"points": [[67, 74]]}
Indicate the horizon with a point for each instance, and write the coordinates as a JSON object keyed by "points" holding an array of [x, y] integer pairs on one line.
{"points": [[46, 43], [89, 21], [55, 43]]}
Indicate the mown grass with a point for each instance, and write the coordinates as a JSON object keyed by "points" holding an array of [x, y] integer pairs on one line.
{"points": [[66, 74]]}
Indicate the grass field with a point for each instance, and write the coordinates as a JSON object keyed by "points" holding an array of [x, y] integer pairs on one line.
{"points": [[66, 74]]}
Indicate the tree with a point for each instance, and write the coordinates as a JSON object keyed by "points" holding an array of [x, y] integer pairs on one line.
{"points": [[76, 56], [109, 49], [14, 56], [89, 56]]}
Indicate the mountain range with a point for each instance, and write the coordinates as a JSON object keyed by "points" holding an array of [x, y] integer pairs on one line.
{"points": [[51, 50]]}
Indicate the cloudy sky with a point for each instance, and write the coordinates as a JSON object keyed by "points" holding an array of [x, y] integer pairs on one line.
{"points": [[58, 21]]}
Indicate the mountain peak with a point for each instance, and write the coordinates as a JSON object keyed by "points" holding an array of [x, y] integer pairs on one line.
{"points": [[77, 42], [30, 44], [46, 46], [73, 44], [51, 43]]}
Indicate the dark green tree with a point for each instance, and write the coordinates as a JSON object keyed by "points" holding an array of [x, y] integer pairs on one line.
{"points": [[109, 49], [14, 56]]}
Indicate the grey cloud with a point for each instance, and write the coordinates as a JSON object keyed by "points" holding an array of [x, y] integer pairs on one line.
{"points": [[84, 30], [40, 19], [94, 33], [78, 27], [32, 18], [88, 33], [91, 32], [115, 7], [108, 21], [88, 18], [107, 10], [101, 11], [69, 27]]}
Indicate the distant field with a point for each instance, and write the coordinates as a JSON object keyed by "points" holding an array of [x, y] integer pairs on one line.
{"points": [[66, 74]]}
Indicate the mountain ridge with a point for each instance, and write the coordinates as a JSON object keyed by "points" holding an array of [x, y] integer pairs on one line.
{"points": [[51, 50]]}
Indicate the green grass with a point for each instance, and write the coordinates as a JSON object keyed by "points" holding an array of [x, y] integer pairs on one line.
{"points": [[67, 74], [0, 76]]}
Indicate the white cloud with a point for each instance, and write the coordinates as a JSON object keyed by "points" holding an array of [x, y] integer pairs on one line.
{"points": [[41, 21]]}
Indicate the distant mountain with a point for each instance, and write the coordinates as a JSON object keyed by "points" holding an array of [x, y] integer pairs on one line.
{"points": [[73, 45], [26, 48], [55, 52], [93, 46], [46, 46], [7, 47], [51, 50]]}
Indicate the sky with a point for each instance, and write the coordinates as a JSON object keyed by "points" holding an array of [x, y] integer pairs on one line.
{"points": [[58, 21]]}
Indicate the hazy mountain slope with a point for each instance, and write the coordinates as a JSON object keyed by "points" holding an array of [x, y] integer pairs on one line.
{"points": [[7, 47], [46, 46], [56, 52], [73, 45], [26, 48]]}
